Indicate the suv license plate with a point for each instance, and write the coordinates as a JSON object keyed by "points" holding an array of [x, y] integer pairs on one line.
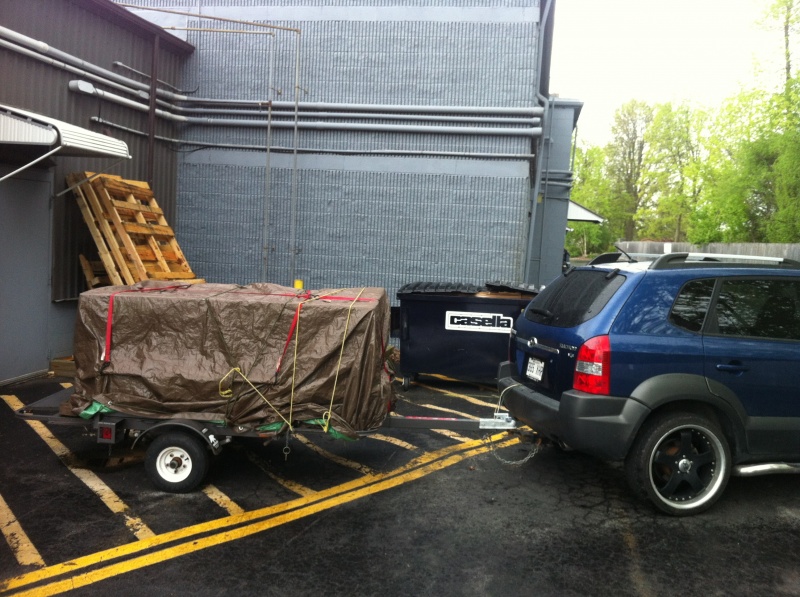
{"points": [[535, 369]]}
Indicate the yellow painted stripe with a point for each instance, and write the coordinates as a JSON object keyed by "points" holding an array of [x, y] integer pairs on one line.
{"points": [[392, 440], [450, 410], [111, 570], [24, 551], [222, 500], [65, 384], [428, 462], [638, 577], [357, 466], [92, 481], [465, 397], [448, 432], [451, 434], [285, 483]]}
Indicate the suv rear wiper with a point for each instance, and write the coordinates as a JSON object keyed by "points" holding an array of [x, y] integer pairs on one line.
{"points": [[540, 311]]}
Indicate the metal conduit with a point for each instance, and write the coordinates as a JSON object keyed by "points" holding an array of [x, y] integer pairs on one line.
{"points": [[71, 69], [89, 89], [41, 51], [362, 115], [312, 150]]}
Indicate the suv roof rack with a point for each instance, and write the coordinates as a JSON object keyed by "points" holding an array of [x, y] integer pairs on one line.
{"points": [[675, 260]]}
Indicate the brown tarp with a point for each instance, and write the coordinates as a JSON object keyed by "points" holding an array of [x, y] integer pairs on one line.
{"points": [[246, 355]]}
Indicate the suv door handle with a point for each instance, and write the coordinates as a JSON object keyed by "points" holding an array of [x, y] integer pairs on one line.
{"points": [[732, 368]]}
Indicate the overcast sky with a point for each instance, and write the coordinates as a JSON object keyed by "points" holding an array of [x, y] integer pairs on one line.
{"points": [[702, 51]]}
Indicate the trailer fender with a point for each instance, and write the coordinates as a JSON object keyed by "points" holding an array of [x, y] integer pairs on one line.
{"points": [[197, 427]]}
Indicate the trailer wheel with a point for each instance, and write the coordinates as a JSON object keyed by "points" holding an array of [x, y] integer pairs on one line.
{"points": [[177, 462]]}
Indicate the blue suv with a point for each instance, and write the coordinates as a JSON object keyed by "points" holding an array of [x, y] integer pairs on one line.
{"points": [[682, 366]]}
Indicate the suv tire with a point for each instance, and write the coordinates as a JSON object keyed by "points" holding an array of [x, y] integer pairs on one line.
{"points": [[680, 461]]}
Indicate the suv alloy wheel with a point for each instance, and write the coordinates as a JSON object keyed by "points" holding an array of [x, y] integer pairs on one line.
{"points": [[681, 462]]}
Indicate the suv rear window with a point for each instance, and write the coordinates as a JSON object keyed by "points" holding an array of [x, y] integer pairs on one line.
{"points": [[575, 298]]}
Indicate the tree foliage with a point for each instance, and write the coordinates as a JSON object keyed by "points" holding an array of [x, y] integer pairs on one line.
{"points": [[678, 172]]}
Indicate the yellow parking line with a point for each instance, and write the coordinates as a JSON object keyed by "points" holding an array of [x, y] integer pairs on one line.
{"points": [[285, 483], [361, 468], [450, 410], [254, 522], [222, 500], [466, 397], [392, 440], [92, 481], [451, 435], [25, 552]]}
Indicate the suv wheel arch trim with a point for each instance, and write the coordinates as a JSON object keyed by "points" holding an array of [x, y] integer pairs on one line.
{"points": [[673, 388]]}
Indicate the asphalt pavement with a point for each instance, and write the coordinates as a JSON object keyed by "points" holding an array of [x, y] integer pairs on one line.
{"points": [[400, 513]]}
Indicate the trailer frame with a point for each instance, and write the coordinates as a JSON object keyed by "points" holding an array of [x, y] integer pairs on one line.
{"points": [[179, 454]]}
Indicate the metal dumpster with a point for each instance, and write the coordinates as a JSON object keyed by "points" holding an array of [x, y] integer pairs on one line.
{"points": [[457, 330]]}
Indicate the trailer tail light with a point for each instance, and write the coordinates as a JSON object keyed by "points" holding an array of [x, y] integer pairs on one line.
{"points": [[593, 366], [107, 432]]}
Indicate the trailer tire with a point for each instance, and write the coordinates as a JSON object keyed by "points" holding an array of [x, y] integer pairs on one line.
{"points": [[177, 462]]}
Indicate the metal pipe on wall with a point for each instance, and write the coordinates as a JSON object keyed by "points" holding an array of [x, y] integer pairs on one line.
{"points": [[313, 150], [40, 51], [89, 89]]}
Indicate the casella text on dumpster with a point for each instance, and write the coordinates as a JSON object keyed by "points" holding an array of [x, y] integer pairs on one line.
{"points": [[466, 321]]}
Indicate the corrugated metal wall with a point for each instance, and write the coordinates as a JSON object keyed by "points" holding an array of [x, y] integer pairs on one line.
{"points": [[42, 88], [370, 219]]}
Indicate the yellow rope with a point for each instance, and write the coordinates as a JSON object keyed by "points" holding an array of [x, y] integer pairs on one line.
{"points": [[229, 393], [327, 416], [297, 343]]}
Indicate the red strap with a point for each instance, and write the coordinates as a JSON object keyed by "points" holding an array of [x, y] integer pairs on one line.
{"points": [[288, 339]]}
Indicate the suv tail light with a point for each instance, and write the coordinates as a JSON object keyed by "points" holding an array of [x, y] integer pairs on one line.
{"points": [[593, 366]]}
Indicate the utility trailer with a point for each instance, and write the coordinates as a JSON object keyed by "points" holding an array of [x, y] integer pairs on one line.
{"points": [[179, 451], [184, 370]]}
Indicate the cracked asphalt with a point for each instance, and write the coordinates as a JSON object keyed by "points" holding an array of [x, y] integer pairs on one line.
{"points": [[429, 514]]}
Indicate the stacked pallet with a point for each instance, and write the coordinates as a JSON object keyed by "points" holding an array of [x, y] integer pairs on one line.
{"points": [[133, 239]]}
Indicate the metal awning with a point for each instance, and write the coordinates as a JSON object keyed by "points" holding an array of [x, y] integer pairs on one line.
{"points": [[31, 131], [578, 213]]}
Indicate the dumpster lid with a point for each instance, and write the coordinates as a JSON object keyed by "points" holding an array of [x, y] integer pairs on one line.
{"points": [[439, 288], [498, 286], [462, 288]]}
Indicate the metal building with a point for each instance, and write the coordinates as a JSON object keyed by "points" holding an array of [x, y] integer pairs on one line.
{"points": [[403, 140], [342, 143], [45, 44]]}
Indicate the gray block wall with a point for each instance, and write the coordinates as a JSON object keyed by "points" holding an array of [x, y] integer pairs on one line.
{"points": [[402, 211]]}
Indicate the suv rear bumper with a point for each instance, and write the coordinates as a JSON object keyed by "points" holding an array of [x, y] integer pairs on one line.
{"points": [[603, 426]]}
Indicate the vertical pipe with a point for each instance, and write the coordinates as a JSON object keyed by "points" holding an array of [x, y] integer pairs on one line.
{"points": [[151, 117], [293, 230], [267, 165]]}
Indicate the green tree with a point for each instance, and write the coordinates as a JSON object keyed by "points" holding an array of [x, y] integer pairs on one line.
{"points": [[592, 189], [737, 195], [630, 184], [674, 162]]}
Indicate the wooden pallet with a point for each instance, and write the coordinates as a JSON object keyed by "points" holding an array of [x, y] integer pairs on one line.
{"points": [[63, 366], [133, 239]]}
